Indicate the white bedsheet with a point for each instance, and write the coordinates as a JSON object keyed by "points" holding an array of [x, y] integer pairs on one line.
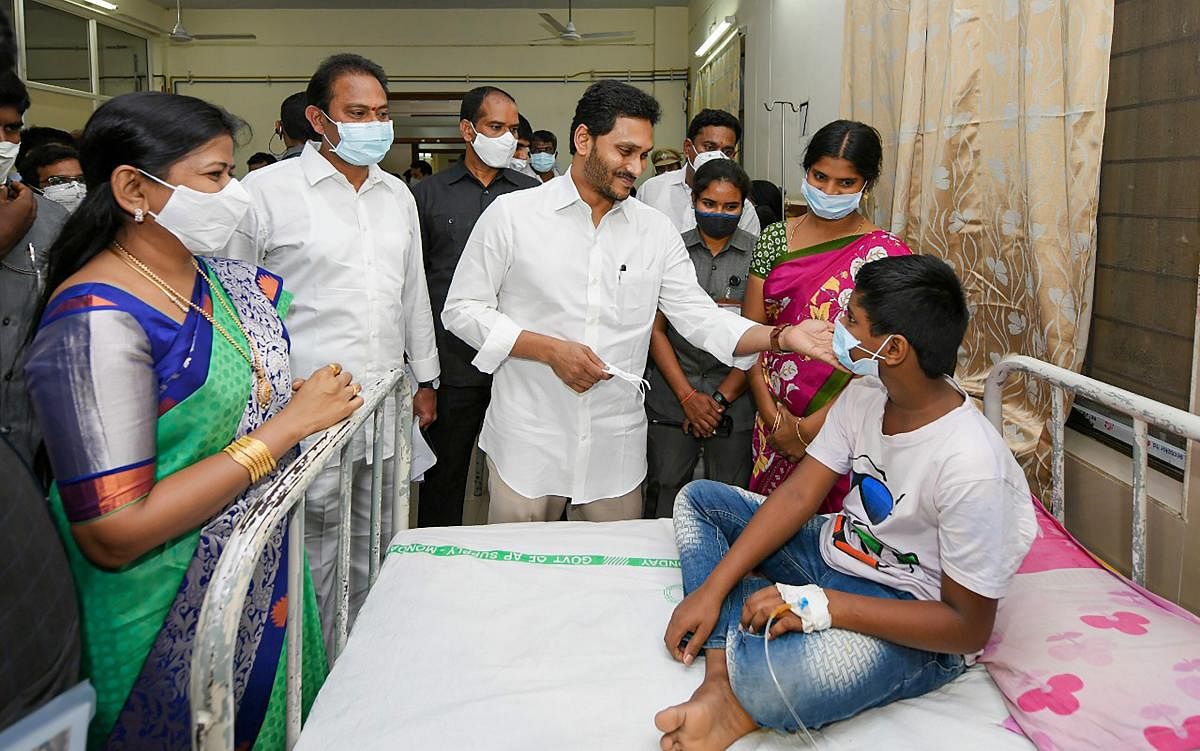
{"points": [[462, 649]]}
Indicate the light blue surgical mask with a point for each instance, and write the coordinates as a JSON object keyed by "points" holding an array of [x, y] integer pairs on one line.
{"points": [[826, 206], [541, 162], [362, 144], [844, 341]]}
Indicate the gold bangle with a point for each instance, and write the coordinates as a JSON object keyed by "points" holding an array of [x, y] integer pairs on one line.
{"points": [[253, 455], [798, 436]]}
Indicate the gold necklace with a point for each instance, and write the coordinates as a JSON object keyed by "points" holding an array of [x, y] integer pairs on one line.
{"points": [[791, 234], [262, 389]]}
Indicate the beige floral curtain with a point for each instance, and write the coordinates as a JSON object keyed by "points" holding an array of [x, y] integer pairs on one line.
{"points": [[719, 81], [992, 117]]}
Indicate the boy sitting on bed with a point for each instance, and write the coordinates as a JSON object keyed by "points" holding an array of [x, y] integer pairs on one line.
{"points": [[893, 596]]}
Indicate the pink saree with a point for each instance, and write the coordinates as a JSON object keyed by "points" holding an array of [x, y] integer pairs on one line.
{"points": [[813, 282]]}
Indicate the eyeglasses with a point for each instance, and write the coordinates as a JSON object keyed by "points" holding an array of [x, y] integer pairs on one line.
{"points": [[64, 179]]}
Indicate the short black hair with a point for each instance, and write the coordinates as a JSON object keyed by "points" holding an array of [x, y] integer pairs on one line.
{"points": [[767, 200], [320, 86], [13, 92], [856, 142], [524, 129], [472, 102], [920, 298], [720, 170], [29, 163], [39, 136], [423, 165], [261, 157], [291, 118], [605, 101], [714, 118], [545, 136]]}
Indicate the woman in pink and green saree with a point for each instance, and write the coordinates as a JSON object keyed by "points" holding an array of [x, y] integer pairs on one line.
{"points": [[804, 267]]}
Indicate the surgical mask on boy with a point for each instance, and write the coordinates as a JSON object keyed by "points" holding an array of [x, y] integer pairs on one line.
{"points": [[495, 152], [518, 164], [541, 161], [717, 225], [68, 195], [826, 206], [203, 222], [8, 157], [844, 341], [362, 144], [704, 157]]}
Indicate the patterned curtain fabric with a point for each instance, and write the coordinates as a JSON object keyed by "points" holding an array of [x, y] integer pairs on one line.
{"points": [[719, 82], [992, 117]]}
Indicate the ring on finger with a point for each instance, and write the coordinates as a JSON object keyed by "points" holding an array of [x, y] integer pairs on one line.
{"points": [[337, 369], [357, 388]]}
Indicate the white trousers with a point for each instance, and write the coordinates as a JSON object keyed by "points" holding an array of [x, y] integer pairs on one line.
{"points": [[321, 520]]}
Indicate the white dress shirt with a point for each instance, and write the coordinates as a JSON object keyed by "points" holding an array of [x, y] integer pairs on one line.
{"points": [[535, 261], [670, 194], [353, 261]]}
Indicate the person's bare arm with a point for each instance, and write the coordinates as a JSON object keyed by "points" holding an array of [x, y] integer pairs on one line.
{"points": [[701, 412], [959, 623], [782, 515], [190, 497]]}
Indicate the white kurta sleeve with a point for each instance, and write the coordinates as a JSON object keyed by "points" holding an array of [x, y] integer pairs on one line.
{"points": [[694, 314], [420, 343], [472, 305]]}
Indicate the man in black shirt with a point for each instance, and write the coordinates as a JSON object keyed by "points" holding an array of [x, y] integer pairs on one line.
{"points": [[448, 204]]}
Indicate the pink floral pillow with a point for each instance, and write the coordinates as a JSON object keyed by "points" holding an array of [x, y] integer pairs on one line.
{"points": [[1088, 660]]}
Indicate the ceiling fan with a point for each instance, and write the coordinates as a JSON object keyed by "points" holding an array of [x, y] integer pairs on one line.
{"points": [[180, 34], [568, 33]]}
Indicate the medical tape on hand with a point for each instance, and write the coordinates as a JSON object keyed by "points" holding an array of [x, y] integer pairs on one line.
{"points": [[810, 603], [641, 384]]}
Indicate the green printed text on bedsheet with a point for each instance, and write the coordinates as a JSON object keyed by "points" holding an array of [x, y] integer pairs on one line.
{"points": [[543, 559]]}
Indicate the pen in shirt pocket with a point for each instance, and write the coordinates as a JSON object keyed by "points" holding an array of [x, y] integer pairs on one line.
{"points": [[621, 273]]}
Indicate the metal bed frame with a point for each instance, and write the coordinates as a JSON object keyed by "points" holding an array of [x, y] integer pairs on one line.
{"points": [[216, 631]]}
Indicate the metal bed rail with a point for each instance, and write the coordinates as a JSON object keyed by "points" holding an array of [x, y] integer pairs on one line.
{"points": [[212, 692], [1143, 411]]}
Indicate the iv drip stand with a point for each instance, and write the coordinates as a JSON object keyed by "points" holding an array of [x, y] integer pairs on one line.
{"points": [[783, 162]]}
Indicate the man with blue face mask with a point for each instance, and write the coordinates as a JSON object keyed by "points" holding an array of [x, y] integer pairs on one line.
{"points": [[449, 203], [344, 235]]}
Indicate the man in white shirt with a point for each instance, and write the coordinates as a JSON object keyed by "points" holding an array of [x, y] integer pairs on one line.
{"points": [[557, 288], [712, 134], [344, 236]]}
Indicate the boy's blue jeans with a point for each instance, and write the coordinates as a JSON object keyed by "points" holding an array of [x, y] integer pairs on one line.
{"points": [[827, 675]]}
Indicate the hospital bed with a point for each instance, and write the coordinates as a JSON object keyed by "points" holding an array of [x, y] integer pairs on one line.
{"points": [[540, 636]]}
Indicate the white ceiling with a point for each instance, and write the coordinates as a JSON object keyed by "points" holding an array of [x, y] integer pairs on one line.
{"points": [[552, 6]]}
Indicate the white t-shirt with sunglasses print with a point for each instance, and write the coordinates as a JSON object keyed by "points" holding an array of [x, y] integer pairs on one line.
{"points": [[948, 496]]}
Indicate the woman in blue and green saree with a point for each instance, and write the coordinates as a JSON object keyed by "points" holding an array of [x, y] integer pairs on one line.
{"points": [[162, 385]]}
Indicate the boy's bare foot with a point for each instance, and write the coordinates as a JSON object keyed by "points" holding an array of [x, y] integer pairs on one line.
{"points": [[711, 720]]}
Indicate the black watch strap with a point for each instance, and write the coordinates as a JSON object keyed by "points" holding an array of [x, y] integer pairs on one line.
{"points": [[426, 385], [719, 398]]}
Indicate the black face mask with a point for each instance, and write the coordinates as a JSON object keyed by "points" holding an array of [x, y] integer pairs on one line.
{"points": [[717, 225]]}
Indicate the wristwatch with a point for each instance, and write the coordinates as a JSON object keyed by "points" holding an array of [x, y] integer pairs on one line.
{"points": [[428, 384], [719, 398]]}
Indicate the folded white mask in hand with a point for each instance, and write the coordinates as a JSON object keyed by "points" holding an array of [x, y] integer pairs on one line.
{"points": [[641, 384]]}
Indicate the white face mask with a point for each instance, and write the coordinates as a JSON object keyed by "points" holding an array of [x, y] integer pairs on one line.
{"points": [[704, 157], [68, 195], [518, 164], [495, 152], [8, 157], [203, 222]]}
